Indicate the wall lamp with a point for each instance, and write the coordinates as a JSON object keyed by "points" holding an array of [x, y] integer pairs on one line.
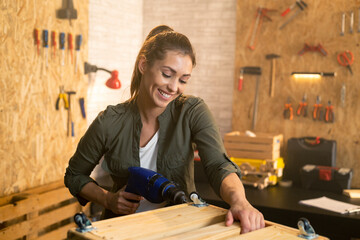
{"points": [[113, 82], [313, 75]]}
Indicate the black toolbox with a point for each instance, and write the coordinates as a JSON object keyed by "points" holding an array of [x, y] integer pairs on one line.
{"points": [[307, 150], [326, 178]]}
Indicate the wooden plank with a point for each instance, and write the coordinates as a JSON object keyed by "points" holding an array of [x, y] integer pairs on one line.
{"points": [[249, 146], [253, 155], [212, 232], [34, 225], [268, 140], [59, 233], [34, 203]]}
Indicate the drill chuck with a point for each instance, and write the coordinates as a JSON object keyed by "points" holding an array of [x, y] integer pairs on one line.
{"points": [[154, 186]]}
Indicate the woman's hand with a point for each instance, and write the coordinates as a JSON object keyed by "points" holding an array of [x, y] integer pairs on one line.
{"points": [[250, 218], [122, 202]]}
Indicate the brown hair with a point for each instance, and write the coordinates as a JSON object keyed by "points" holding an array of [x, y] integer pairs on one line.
{"points": [[160, 40]]}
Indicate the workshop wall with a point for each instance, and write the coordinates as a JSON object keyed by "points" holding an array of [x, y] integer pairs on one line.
{"points": [[319, 23], [211, 27], [35, 148]]}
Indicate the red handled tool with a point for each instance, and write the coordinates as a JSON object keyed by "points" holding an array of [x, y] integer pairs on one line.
{"points": [[71, 46], [288, 111], [317, 111], [241, 79], [346, 59], [301, 5], [329, 114], [302, 108], [308, 48], [37, 41], [53, 43]]}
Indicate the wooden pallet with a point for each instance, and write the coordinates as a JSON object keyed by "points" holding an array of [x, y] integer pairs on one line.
{"points": [[180, 222], [263, 146], [44, 212]]}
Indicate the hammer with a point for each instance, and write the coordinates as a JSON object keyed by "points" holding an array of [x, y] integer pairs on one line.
{"points": [[70, 120], [272, 56]]}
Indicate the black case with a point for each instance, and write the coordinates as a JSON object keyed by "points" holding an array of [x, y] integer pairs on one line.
{"points": [[326, 178], [307, 150]]}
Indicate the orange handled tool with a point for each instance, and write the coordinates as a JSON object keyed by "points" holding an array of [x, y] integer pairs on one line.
{"points": [[71, 46], [53, 43], [37, 41], [329, 115], [241, 79], [288, 111]]}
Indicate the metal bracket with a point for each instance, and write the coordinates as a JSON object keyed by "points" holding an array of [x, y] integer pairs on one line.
{"points": [[83, 222]]}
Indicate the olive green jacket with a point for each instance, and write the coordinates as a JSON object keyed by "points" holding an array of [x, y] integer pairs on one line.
{"points": [[115, 134]]}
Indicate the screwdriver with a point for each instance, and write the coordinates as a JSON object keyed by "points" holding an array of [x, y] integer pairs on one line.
{"points": [[70, 46], [78, 45], [37, 41], [46, 45], [62, 47], [53, 43]]}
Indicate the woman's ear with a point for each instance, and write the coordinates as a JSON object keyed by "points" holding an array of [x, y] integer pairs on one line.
{"points": [[142, 65]]}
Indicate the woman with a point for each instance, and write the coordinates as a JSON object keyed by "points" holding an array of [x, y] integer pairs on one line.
{"points": [[156, 129]]}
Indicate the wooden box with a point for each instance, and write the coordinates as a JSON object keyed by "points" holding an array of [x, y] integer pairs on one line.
{"points": [[180, 222], [44, 212], [263, 146]]}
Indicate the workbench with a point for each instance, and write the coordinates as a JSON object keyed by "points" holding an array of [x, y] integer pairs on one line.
{"points": [[281, 205], [183, 221]]}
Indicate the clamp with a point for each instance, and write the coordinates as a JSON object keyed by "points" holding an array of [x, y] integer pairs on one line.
{"points": [[306, 230], [83, 222]]}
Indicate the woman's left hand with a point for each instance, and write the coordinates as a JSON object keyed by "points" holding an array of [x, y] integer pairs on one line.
{"points": [[250, 218]]}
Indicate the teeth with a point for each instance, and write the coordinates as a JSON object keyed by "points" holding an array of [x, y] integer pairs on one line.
{"points": [[164, 94]]}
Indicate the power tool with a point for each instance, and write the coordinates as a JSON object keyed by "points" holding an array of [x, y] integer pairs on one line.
{"points": [[154, 187]]}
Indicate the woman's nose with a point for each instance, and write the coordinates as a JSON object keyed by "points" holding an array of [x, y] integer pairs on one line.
{"points": [[173, 85]]}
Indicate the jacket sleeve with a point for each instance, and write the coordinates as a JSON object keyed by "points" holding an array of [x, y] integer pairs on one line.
{"points": [[207, 138], [89, 151]]}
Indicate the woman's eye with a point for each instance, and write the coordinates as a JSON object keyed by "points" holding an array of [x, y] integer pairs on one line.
{"points": [[183, 81], [165, 75]]}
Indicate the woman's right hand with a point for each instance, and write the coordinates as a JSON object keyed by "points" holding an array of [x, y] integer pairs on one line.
{"points": [[122, 202]]}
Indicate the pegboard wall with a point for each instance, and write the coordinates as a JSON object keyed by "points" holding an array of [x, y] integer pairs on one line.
{"points": [[34, 139], [319, 23]]}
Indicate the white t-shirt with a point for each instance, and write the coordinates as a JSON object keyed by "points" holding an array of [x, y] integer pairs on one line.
{"points": [[148, 156]]}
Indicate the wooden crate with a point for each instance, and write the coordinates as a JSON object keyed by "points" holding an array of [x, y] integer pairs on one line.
{"points": [[44, 212], [263, 146], [180, 222]]}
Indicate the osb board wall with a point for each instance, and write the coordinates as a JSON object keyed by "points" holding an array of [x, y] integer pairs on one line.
{"points": [[320, 23], [34, 144]]}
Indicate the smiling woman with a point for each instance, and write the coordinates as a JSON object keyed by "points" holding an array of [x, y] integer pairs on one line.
{"points": [[157, 129]]}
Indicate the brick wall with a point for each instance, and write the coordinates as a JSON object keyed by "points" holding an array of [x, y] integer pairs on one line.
{"points": [[116, 32], [115, 36], [211, 27]]}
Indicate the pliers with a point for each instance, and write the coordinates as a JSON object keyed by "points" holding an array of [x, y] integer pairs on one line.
{"points": [[62, 95], [318, 111], [288, 111], [329, 115], [302, 108]]}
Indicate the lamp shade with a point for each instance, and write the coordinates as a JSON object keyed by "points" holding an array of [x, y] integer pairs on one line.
{"points": [[113, 82]]}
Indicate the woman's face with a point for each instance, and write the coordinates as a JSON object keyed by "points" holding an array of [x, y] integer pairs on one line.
{"points": [[165, 79]]}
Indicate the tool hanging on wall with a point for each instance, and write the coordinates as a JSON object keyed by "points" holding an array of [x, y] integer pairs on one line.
{"points": [[343, 94], [345, 59], [329, 113], [255, 27], [308, 48], [77, 48], [302, 107], [343, 19], [53, 44], [70, 47], [254, 71], [45, 36], [288, 110], [358, 30], [318, 113], [37, 41], [62, 48], [301, 7], [351, 29], [70, 124], [82, 107], [67, 11], [241, 79], [61, 96], [272, 57]]}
